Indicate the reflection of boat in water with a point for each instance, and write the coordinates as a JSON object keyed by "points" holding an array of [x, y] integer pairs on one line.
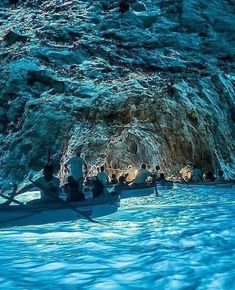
{"points": [[227, 183], [37, 214]]}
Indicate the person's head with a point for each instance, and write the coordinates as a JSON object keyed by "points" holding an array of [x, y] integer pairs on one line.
{"points": [[98, 169], [157, 167], [143, 166], [162, 175], [220, 173], [48, 171], [121, 179], [102, 168], [114, 176]]}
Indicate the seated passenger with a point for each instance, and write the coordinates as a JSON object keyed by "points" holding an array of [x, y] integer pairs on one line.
{"points": [[87, 181], [196, 174], [209, 176], [121, 184], [103, 176], [127, 179], [220, 176], [97, 188], [71, 188], [114, 179], [130, 174], [155, 174], [141, 175], [161, 177]]}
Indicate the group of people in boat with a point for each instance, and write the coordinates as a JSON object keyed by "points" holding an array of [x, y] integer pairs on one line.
{"points": [[77, 183], [78, 180], [197, 175]]}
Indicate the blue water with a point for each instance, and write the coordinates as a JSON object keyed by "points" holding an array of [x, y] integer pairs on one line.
{"points": [[183, 239]]}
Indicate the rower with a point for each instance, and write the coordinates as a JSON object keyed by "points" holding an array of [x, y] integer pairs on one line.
{"points": [[48, 185], [75, 165]]}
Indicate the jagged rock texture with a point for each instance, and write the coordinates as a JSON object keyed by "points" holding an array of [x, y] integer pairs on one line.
{"points": [[154, 84]]}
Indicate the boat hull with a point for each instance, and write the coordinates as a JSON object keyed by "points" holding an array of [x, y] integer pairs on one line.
{"points": [[37, 214], [207, 183], [137, 191], [164, 185]]}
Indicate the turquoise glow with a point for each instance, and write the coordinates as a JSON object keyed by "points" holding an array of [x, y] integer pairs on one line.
{"points": [[183, 239]]}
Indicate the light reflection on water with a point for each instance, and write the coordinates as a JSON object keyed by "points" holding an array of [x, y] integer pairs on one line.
{"points": [[183, 239]]}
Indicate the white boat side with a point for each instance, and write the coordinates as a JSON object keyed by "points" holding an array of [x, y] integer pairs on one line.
{"points": [[37, 214], [139, 191]]}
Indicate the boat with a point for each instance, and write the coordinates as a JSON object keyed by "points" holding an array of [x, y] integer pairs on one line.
{"points": [[134, 191], [165, 185], [38, 214], [226, 183]]}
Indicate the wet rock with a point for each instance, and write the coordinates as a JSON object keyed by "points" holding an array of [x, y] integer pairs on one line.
{"points": [[123, 6], [152, 84], [42, 78], [62, 57]]}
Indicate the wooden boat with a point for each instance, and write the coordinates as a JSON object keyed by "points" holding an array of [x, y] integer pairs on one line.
{"points": [[37, 214], [135, 191], [226, 183]]}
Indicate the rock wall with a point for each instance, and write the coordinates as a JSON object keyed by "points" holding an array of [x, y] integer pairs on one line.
{"points": [[154, 84]]}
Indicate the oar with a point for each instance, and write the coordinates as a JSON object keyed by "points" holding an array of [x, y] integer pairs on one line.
{"points": [[69, 205], [156, 191], [11, 198]]}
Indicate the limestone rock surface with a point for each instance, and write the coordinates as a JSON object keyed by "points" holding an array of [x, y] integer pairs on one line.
{"points": [[154, 84]]}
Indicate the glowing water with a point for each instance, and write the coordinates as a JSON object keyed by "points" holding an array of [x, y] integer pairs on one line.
{"points": [[183, 239]]}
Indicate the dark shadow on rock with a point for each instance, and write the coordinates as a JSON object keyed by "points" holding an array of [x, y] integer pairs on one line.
{"points": [[42, 78]]}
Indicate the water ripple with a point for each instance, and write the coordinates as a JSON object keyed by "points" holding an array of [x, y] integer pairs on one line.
{"points": [[183, 239]]}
